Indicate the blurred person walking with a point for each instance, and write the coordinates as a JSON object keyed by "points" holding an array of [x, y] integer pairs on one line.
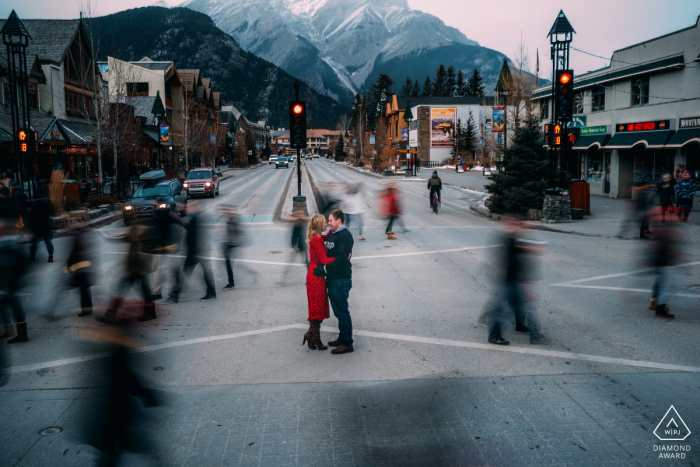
{"points": [[664, 255], [685, 191], [79, 265], [232, 239], [515, 273], [391, 208], [665, 192], [338, 274], [354, 207], [316, 292], [39, 223], [12, 265], [137, 270], [194, 257], [162, 242]]}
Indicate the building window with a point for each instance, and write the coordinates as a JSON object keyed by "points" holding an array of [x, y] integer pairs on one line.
{"points": [[578, 103], [598, 99], [137, 89], [78, 102], [640, 90], [33, 96], [544, 112]]}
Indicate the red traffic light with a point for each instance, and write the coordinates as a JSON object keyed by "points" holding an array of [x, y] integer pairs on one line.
{"points": [[564, 78], [297, 109]]}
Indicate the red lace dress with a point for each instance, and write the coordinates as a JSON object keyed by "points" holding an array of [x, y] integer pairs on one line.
{"points": [[316, 292]]}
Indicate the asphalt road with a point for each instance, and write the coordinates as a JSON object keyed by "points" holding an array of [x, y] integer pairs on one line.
{"points": [[415, 303]]}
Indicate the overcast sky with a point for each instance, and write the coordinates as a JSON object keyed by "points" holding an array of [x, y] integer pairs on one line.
{"points": [[601, 25]]}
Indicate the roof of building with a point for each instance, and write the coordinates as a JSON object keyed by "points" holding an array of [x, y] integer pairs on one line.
{"points": [[217, 99], [189, 79], [77, 132], [40, 121], [50, 38], [435, 101]]}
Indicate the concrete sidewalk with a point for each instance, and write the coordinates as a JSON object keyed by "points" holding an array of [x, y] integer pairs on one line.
{"points": [[565, 420]]}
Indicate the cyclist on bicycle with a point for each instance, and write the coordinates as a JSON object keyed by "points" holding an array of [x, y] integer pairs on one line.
{"points": [[435, 186]]}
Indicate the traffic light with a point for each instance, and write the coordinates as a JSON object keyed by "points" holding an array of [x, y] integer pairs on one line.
{"points": [[23, 139], [564, 95], [297, 125], [574, 134], [557, 135]]}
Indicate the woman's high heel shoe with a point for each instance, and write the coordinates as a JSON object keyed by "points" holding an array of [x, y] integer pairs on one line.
{"points": [[308, 337], [316, 332]]}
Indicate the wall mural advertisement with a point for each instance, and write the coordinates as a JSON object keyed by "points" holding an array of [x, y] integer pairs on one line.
{"points": [[442, 127], [498, 120]]}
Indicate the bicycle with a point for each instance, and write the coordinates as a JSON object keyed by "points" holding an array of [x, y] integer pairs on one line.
{"points": [[434, 201]]}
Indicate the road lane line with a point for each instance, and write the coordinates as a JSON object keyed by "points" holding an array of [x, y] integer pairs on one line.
{"points": [[535, 351], [623, 289], [621, 274], [426, 252]]}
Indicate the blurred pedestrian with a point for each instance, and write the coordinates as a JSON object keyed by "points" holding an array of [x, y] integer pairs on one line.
{"points": [[685, 192], [354, 207], [80, 266], [338, 274], [163, 241], [316, 292], [516, 273], [232, 239], [12, 264], [665, 192], [137, 270], [5, 180], [194, 257], [390, 206], [39, 223], [664, 255]]}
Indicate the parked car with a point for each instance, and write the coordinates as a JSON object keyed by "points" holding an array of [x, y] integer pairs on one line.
{"points": [[156, 194], [282, 162], [202, 181], [272, 159]]}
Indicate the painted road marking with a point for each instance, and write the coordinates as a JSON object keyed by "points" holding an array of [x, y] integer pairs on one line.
{"points": [[380, 335]]}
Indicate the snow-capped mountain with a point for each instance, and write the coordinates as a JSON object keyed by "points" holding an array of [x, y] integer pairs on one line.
{"points": [[336, 45]]}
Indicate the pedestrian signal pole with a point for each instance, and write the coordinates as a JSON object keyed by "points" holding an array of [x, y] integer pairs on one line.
{"points": [[297, 135]]}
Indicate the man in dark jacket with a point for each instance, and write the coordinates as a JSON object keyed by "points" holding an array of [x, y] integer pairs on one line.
{"points": [[338, 274], [39, 223], [79, 265], [435, 185]]}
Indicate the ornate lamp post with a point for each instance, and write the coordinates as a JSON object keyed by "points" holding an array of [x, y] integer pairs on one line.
{"points": [[158, 112], [408, 118], [16, 39], [503, 89]]}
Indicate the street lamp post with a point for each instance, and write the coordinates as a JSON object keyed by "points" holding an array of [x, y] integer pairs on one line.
{"points": [[408, 118], [16, 39]]}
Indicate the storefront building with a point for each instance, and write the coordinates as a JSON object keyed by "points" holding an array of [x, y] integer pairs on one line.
{"points": [[639, 117]]}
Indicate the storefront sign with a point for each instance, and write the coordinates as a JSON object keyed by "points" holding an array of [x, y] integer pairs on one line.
{"points": [[594, 130], [579, 121], [76, 151], [643, 126], [693, 122], [164, 133]]}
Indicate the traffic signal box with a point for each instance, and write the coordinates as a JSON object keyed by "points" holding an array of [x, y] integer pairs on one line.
{"points": [[297, 125], [564, 95], [28, 141]]}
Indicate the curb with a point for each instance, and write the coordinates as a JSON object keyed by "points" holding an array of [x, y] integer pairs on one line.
{"points": [[95, 223]]}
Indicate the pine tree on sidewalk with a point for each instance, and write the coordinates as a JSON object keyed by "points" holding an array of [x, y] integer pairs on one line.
{"points": [[521, 179], [339, 148]]}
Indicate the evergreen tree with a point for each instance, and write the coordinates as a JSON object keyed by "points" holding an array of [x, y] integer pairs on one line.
{"points": [[521, 184], [470, 135], [475, 85], [440, 83], [416, 89], [339, 148], [427, 87], [459, 132], [461, 88], [450, 82], [407, 87], [379, 94]]}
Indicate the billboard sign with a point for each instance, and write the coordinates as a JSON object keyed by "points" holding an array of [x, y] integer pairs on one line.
{"points": [[442, 125]]}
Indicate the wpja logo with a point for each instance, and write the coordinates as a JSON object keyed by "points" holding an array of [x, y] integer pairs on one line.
{"points": [[672, 428]]}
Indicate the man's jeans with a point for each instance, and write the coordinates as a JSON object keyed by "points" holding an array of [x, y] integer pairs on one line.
{"points": [[355, 217], [511, 293], [338, 292]]}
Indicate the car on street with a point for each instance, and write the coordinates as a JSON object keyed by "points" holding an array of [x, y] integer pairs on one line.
{"points": [[156, 194], [272, 159], [202, 182], [282, 162], [307, 156], [316, 156]]}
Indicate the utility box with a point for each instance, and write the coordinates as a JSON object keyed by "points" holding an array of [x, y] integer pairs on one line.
{"points": [[581, 196]]}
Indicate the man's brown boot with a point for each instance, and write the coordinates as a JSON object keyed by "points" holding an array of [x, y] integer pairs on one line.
{"points": [[334, 343], [8, 332], [316, 330], [653, 303], [342, 349]]}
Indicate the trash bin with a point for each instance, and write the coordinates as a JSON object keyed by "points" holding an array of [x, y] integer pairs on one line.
{"points": [[581, 196], [71, 192]]}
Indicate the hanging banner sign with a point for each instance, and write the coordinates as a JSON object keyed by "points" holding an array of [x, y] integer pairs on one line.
{"points": [[442, 125], [404, 134], [498, 114], [372, 139], [212, 140], [643, 126], [164, 133]]}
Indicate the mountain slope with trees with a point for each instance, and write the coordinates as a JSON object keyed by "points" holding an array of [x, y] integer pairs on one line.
{"points": [[255, 86]]}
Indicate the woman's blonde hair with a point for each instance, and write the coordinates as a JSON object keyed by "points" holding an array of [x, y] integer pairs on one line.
{"points": [[315, 227]]}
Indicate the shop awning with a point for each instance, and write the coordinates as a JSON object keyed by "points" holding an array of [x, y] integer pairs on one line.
{"points": [[683, 137], [650, 139], [586, 142]]}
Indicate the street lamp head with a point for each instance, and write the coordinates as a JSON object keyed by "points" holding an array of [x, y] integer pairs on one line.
{"points": [[562, 30], [13, 31]]}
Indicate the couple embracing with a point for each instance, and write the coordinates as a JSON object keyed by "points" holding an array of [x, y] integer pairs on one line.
{"points": [[329, 277]]}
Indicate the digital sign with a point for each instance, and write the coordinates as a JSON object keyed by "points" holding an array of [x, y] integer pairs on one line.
{"points": [[643, 126]]}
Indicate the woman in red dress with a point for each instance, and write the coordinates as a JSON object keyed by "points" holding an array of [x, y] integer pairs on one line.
{"points": [[316, 292]]}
